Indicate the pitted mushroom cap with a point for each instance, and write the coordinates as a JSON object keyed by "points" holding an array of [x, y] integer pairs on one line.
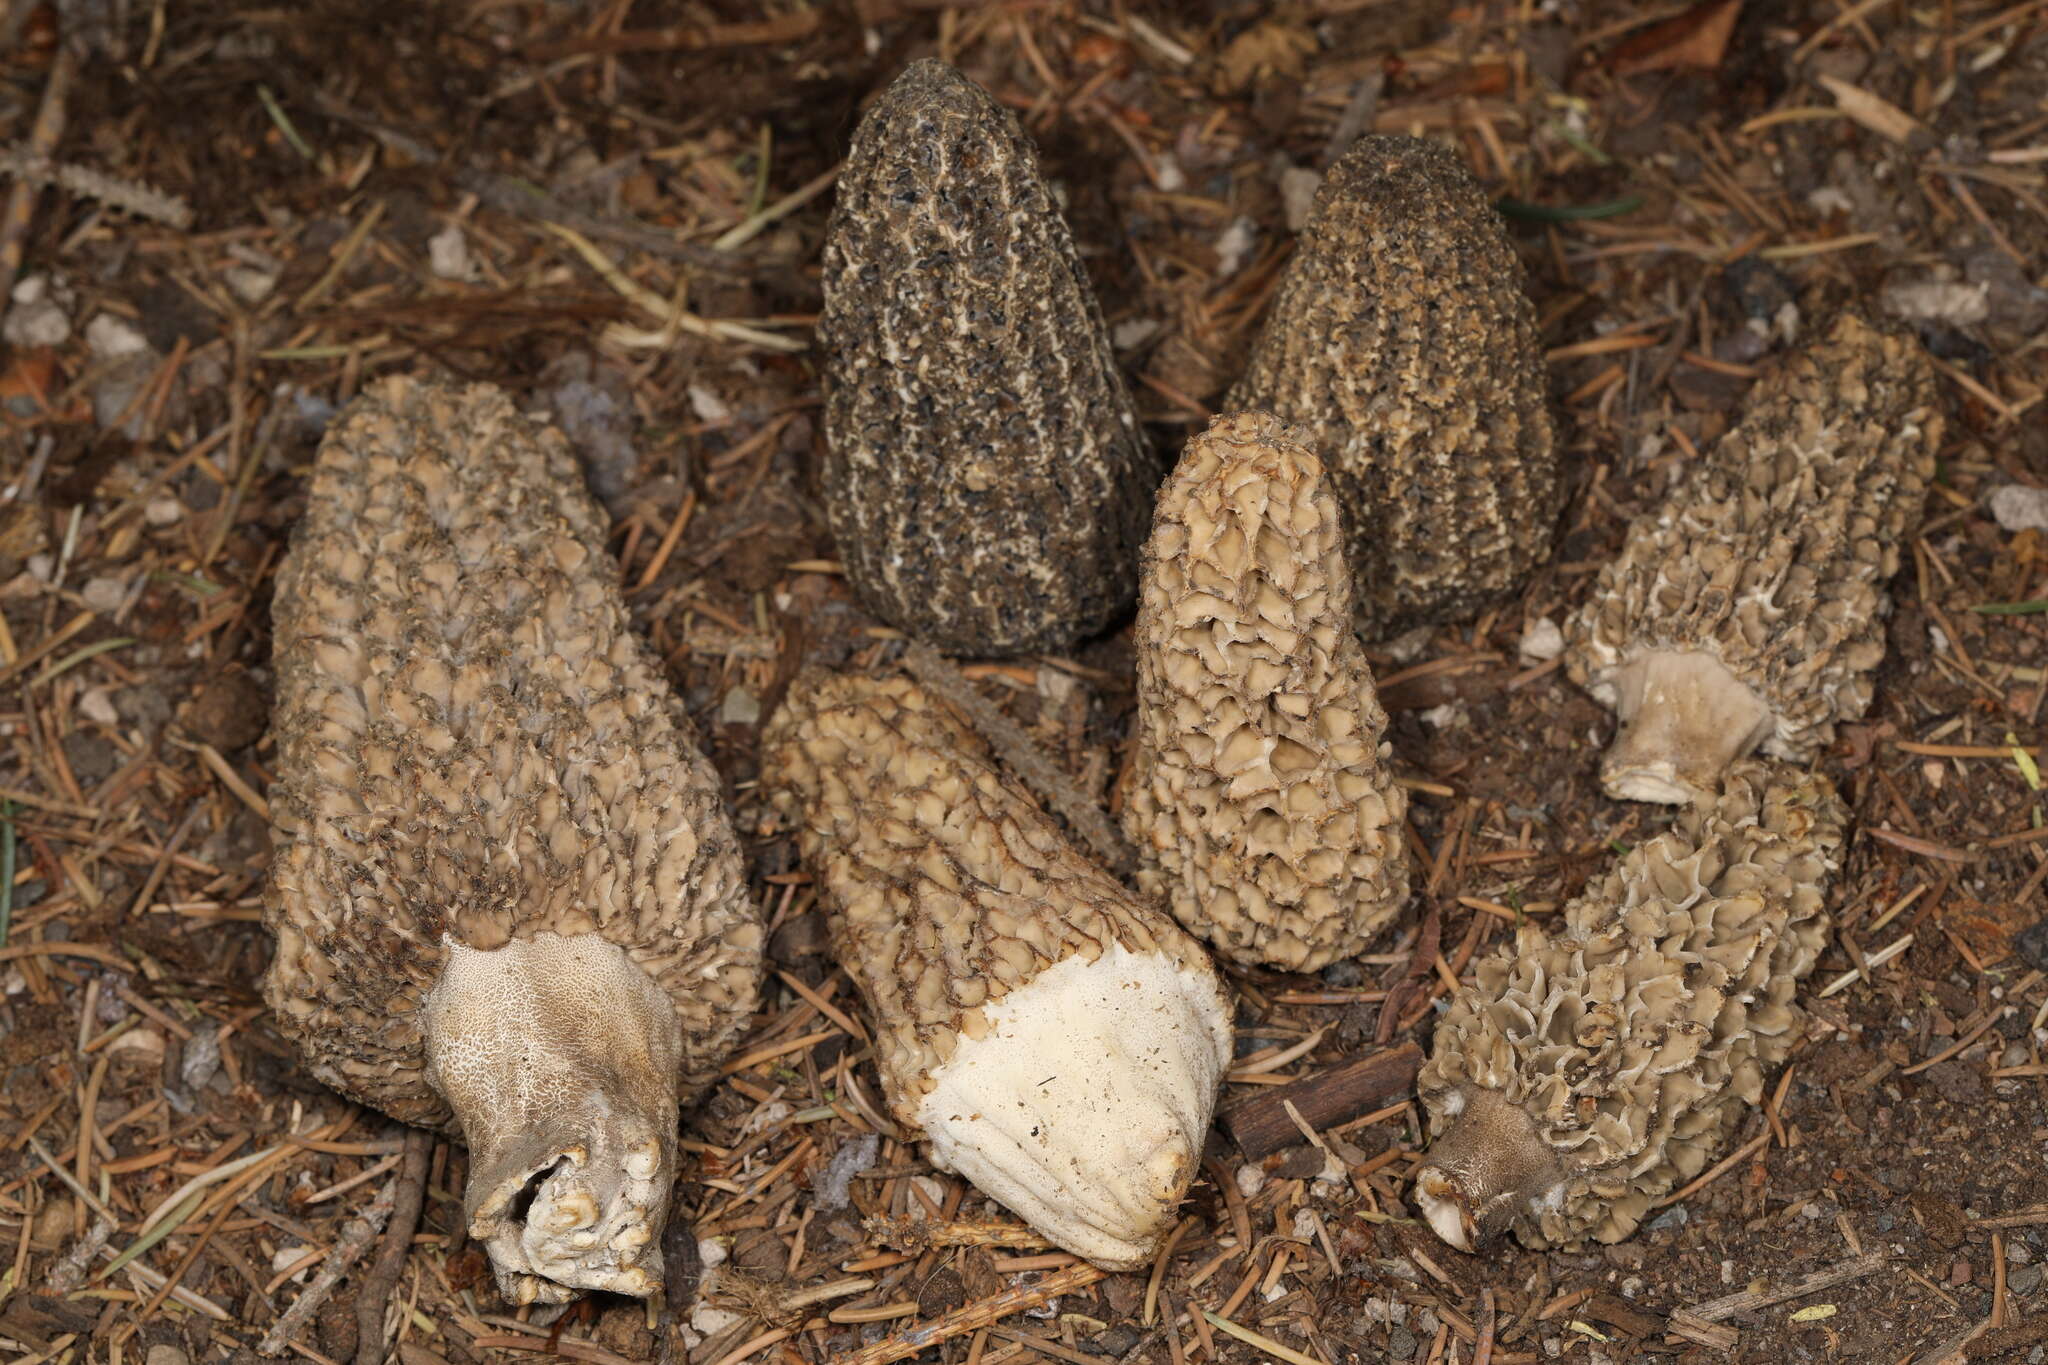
{"points": [[1260, 800], [1764, 572], [1590, 1071], [436, 786], [985, 477], [1402, 339]]}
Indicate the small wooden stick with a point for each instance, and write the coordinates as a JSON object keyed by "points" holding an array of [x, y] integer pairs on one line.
{"points": [[43, 136], [1261, 1126], [973, 1317], [1023, 757], [923, 1234], [375, 1292], [355, 1239], [1714, 1310]]}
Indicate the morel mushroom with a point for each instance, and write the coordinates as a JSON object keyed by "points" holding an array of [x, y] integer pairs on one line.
{"points": [[1058, 1042], [1260, 801], [1749, 607], [1402, 339], [985, 477], [1591, 1071], [506, 896]]}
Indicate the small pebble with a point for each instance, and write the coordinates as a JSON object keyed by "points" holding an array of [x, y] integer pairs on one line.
{"points": [[163, 512], [2024, 1280], [1959, 1273], [2020, 508], [111, 337], [1401, 1344], [1542, 641]]}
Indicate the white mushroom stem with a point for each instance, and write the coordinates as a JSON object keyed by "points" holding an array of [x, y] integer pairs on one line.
{"points": [[1083, 1102], [1684, 717], [561, 1058], [1489, 1165]]}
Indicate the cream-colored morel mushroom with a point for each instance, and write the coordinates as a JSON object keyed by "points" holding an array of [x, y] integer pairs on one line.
{"points": [[1058, 1042], [506, 896], [1591, 1071], [1748, 609], [1260, 800]]}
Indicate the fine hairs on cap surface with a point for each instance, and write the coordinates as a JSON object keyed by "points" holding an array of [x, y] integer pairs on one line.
{"points": [[1057, 1040], [1747, 608], [1260, 799], [493, 827]]}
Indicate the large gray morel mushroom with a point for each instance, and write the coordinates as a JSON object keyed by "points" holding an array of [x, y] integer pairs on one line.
{"points": [[1591, 1071], [1057, 1041], [1402, 339], [506, 896], [1748, 608], [985, 477], [1260, 800]]}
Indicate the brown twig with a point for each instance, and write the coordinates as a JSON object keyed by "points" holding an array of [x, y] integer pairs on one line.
{"points": [[355, 1239], [973, 1317], [1261, 1125], [922, 1234], [1023, 757], [43, 137], [375, 1292]]}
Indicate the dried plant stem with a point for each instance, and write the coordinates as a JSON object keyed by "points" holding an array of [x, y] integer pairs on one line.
{"points": [[375, 1292], [1023, 757], [354, 1240], [973, 1317], [920, 1235], [130, 196], [43, 137]]}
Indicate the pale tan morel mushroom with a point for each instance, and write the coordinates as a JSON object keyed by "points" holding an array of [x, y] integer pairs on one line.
{"points": [[1260, 800], [1592, 1070], [1057, 1041], [507, 899], [1748, 608]]}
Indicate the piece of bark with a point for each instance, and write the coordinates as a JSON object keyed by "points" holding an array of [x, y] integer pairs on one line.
{"points": [[1261, 1126]]}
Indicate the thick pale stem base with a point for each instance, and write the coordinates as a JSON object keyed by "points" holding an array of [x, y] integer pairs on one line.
{"points": [[1489, 1165], [1083, 1101], [1684, 718], [561, 1059]]}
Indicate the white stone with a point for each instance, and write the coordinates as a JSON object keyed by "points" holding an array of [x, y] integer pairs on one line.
{"points": [[2020, 508], [111, 337], [448, 254], [1542, 641]]}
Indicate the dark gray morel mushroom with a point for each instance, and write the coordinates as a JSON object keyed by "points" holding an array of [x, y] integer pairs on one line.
{"points": [[1401, 338], [1748, 608], [1260, 800], [1591, 1071], [1058, 1041], [506, 896], [985, 477]]}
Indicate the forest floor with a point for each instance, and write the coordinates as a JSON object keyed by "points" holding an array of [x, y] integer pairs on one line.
{"points": [[518, 193]]}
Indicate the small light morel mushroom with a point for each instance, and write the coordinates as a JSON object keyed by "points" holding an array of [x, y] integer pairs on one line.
{"points": [[506, 896], [1748, 608], [985, 477], [1057, 1041], [1592, 1071], [1402, 338], [1260, 800]]}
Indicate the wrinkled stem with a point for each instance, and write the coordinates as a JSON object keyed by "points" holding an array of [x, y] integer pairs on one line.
{"points": [[1684, 718], [561, 1059], [1489, 1165]]}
